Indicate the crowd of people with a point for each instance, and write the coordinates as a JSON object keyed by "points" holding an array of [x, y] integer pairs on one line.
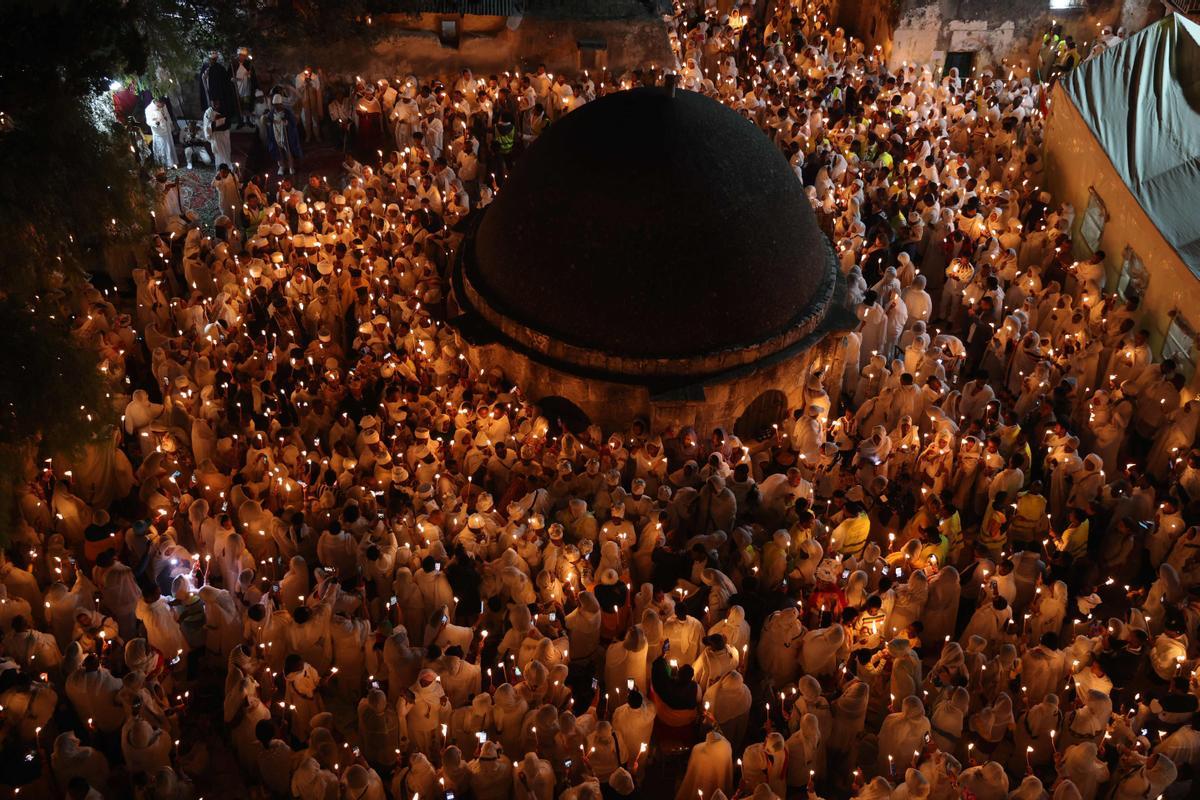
{"points": [[965, 567]]}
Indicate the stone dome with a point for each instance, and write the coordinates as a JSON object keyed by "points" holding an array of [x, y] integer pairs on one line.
{"points": [[658, 230]]}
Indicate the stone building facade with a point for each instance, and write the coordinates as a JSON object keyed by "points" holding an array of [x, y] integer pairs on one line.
{"points": [[984, 33]]}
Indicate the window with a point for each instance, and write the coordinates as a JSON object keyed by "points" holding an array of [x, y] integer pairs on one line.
{"points": [[962, 60], [1135, 278], [1180, 344], [1093, 221], [593, 54], [1065, 5]]}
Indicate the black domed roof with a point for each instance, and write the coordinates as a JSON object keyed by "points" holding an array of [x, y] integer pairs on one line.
{"points": [[648, 225]]}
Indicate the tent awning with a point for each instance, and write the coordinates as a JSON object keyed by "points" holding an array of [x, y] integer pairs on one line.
{"points": [[1141, 100]]}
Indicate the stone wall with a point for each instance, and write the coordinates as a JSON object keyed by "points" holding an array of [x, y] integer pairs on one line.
{"points": [[614, 405], [486, 45], [1003, 35]]}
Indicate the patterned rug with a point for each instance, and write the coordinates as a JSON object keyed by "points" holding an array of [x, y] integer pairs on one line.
{"points": [[197, 192]]}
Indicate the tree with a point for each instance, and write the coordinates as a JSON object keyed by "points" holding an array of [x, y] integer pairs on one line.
{"points": [[70, 187]]}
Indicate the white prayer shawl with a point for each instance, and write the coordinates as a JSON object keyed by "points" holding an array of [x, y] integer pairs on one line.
{"points": [[803, 752], [70, 759], [778, 646], [533, 779], [1081, 766], [1042, 672], [633, 728], [941, 606], [509, 713], [94, 695], [144, 748], [902, 733], [709, 769], [622, 664], [819, 650], [162, 629], [849, 717]]}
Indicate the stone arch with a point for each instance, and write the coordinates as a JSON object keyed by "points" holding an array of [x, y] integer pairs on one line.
{"points": [[563, 415], [764, 411]]}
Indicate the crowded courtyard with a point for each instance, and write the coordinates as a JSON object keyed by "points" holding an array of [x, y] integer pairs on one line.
{"points": [[830, 461]]}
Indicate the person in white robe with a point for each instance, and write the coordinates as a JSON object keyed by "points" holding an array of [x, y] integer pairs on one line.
{"points": [[71, 759], [533, 779], [216, 129], [709, 769], [633, 724], [727, 702], [162, 131], [902, 733]]}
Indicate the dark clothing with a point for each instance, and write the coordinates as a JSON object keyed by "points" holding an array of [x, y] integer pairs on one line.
{"points": [[677, 693]]}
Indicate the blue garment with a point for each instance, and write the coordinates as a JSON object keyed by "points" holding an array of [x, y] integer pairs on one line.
{"points": [[293, 134]]}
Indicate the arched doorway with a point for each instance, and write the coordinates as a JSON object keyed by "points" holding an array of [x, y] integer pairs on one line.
{"points": [[766, 410], [563, 415]]}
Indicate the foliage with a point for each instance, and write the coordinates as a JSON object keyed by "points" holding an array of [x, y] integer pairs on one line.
{"points": [[48, 383], [70, 188]]}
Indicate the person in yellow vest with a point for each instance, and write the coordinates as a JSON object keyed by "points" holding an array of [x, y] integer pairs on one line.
{"points": [[950, 526], [992, 534], [850, 536], [1074, 539], [1029, 520], [935, 551]]}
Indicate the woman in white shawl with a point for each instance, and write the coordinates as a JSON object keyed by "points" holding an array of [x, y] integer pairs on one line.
{"points": [[709, 769], [764, 767], [143, 747], [294, 586], [1033, 729], [991, 723], [871, 459], [102, 474], [906, 669], [1081, 766], [625, 661], [204, 440], [819, 650], [941, 606], [910, 603], [734, 628], [583, 629], [720, 589], [728, 703], [1173, 439], [901, 734], [871, 379], [810, 701], [223, 620], [243, 710], [1167, 591], [1047, 611], [1088, 483], [139, 416], [508, 712], [602, 750], [804, 748], [650, 538], [778, 650], [652, 627], [849, 719], [1148, 779], [935, 466], [1026, 358], [71, 759], [948, 720]]}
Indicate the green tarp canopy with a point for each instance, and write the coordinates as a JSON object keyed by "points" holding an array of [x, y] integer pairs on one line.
{"points": [[1141, 100]]}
